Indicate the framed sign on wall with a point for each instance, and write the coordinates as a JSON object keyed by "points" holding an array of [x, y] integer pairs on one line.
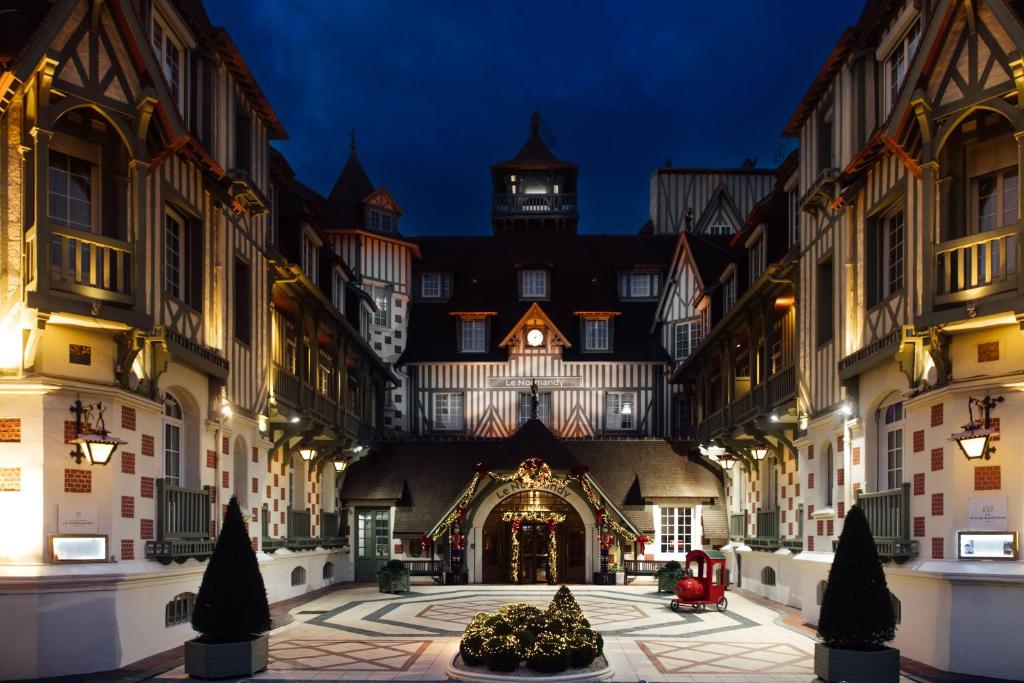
{"points": [[78, 548], [987, 545]]}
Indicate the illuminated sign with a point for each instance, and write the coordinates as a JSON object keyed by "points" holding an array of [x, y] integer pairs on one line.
{"points": [[527, 382], [78, 548], [987, 545]]}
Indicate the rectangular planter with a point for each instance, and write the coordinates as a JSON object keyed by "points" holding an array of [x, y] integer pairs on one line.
{"points": [[452, 579], [608, 579], [226, 660], [832, 665]]}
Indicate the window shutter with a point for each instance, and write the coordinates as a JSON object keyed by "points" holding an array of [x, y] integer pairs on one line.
{"points": [[991, 155], [446, 285], [623, 285], [194, 264]]}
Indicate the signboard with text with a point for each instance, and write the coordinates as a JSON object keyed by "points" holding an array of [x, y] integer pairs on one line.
{"points": [[987, 514], [527, 382], [987, 545]]}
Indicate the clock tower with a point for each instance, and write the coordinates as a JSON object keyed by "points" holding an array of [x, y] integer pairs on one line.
{"points": [[534, 190]]}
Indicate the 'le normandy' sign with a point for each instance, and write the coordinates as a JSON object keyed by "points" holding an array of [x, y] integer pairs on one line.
{"points": [[527, 382]]}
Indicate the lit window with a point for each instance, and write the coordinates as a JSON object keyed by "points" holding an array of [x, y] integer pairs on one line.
{"points": [[448, 411], [173, 425], [310, 257], [382, 300], [534, 284], [620, 409], [639, 285], [543, 407], [596, 334], [892, 446], [675, 530], [685, 339], [899, 59], [474, 336], [338, 290]]}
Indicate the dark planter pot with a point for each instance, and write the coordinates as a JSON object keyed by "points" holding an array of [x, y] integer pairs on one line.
{"points": [[226, 660], [394, 584], [453, 579], [833, 664], [608, 579], [667, 581]]}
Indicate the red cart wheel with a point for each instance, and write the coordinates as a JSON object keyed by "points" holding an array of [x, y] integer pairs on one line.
{"points": [[703, 607], [722, 604], [674, 605]]}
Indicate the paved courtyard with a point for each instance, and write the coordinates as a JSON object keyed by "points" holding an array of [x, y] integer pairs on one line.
{"points": [[361, 634]]}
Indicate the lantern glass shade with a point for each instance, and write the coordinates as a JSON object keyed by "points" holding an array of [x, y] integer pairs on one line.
{"points": [[727, 462], [759, 452], [974, 442], [307, 453], [340, 465], [98, 448]]}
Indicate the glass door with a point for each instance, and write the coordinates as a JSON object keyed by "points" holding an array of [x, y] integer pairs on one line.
{"points": [[373, 542]]}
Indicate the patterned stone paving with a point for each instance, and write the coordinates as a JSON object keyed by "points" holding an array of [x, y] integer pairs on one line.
{"points": [[346, 655], [702, 657]]}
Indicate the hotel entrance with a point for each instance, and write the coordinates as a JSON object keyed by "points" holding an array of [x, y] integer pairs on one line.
{"points": [[534, 562]]}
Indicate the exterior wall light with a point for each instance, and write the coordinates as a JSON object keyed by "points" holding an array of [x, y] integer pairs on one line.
{"points": [[759, 451], [727, 462], [846, 409], [975, 439], [94, 443], [306, 453], [340, 465]]}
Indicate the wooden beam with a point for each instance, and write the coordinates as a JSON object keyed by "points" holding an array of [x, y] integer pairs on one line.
{"points": [[902, 155]]}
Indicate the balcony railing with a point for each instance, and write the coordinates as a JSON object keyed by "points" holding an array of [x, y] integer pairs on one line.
{"points": [[182, 523], [715, 423], [796, 544], [976, 266], [287, 386], [888, 514], [781, 386], [330, 530], [267, 543], [299, 530], [766, 532], [737, 526], [89, 265], [534, 203], [325, 408]]}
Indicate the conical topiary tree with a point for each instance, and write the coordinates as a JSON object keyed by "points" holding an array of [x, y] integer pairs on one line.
{"points": [[232, 601], [856, 610]]}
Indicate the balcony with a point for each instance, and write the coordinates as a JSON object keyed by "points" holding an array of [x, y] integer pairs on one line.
{"points": [[182, 524], [888, 514], [299, 530], [766, 536], [85, 264], [976, 266], [528, 204], [287, 386], [737, 526], [330, 530]]}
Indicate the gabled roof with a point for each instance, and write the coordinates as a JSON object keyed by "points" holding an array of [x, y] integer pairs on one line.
{"points": [[344, 208], [534, 312], [720, 204], [534, 153]]}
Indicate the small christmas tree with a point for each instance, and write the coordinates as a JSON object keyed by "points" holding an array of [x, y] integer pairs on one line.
{"points": [[856, 610], [232, 601]]}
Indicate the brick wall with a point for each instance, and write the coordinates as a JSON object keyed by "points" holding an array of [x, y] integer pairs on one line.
{"points": [[77, 481], [10, 430], [10, 479], [988, 478], [128, 418]]}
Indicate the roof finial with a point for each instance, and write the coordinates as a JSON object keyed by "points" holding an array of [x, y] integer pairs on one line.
{"points": [[352, 142], [535, 121]]}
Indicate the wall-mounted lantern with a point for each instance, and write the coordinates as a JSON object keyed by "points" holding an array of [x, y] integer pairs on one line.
{"points": [[306, 452], [93, 443], [975, 439], [340, 465], [759, 451]]}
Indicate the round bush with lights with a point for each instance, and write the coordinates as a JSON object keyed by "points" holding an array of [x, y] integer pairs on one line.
{"points": [[529, 641]]}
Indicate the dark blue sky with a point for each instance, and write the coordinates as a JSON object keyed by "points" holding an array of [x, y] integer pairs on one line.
{"points": [[437, 91]]}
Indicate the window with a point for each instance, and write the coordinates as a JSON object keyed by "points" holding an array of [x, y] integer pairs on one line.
{"points": [[435, 285], [291, 354], [619, 409], [72, 193], [323, 373], [886, 241], [183, 259], [380, 221], [830, 476], [685, 338], [718, 229], [729, 293], [825, 309], [382, 300], [243, 301], [891, 447], [448, 412], [328, 571], [543, 407], [994, 200], [794, 217], [899, 60], [173, 425], [338, 290], [243, 137], [179, 610], [310, 256], [473, 338], [174, 238], [825, 136], [299, 576], [757, 257], [169, 55], [365, 318], [675, 531], [639, 285], [596, 334], [534, 284], [768, 576], [770, 485]]}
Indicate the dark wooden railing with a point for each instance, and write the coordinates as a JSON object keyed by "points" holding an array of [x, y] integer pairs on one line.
{"points": [[431, 568], [268, 544], [781, 386], [90, 265], [287, 386], [534, 203], [888, 514], [766, 531], [743, 406], [976, 266], [796, 544], [182, 523], [634, 568], [738, 526]]}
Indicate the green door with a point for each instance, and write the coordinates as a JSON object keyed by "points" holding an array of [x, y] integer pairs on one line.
{"points": [[373, 542]]}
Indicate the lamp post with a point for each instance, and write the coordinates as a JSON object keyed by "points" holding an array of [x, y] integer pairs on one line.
{"points": [[974, 440], [94, 443]]}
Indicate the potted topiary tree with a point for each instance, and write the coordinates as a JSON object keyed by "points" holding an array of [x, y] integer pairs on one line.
{"points": [[856, 618], [667, 575], [231, 612], [394, 577]]}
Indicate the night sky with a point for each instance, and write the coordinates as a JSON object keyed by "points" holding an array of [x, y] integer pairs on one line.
{"points": [[437, 91]]}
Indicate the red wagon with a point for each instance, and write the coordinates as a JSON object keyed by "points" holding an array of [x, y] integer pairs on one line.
{"points": [[705, 583]]}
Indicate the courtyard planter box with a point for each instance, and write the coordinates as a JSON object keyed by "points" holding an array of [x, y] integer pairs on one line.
{"points": [[608, 579], [455, 579], [833, 664], [226, 660], [667, 581], [392, 583]]}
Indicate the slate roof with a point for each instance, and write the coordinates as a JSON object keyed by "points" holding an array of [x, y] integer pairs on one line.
{"points": [[584, 277], [18, 21], [534, 152], [425, 477], [344, 208]]}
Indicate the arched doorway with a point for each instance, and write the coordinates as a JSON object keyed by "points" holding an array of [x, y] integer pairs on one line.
{"points": [[570, 541]]}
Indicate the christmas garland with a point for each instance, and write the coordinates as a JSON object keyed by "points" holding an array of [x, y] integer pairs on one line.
{"points": [[517, 519]]}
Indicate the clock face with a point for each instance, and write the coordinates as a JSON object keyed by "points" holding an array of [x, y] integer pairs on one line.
{"points": [[535, 337]]}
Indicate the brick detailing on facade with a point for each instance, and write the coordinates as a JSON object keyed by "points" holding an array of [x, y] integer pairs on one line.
{"points": [[937, 415], [841, 509], [10, 479], [810, 543], [77, 481], [255, 454], [840, 444], [840, 476], [938, 547], [146, 529], [810, 452], [225, 445], [810, 480], [919, 527], [148, 447], [919, 484], [128, 418], [938, 504], [146, 487], [995, 427], [127, 549], [830, 528], [211, 459], [128, 507], [821, 527], [856, 455], [988, 352], [69, 431], [919, 441], [938, 455], [988, 478], [255, 485], [225, 479], [127, 462], [10, 430]]}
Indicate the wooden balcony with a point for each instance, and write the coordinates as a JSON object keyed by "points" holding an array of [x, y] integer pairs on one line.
{"points": [[299, 530], [183, 527], [83, 263], [268, 544], [976, 266], [325, 408], [737, 526], [888, 514], [528, 204], [766, 531], [781, 387], [287, 386], [330, 530]]}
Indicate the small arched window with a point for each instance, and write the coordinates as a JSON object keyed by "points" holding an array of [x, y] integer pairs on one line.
{"points": [[179, 609], [822, 585], [767, 576], [328, 570], [173, 440], [897, 607], [299, 576]]}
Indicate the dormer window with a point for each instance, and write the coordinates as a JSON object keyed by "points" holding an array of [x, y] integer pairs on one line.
{"points": [[597, 334], [472, 335], [434, 285], [645, 284], [533, 284], [899, 60], [756, 253], [310, 255], [380, 221], [728, 292], [338, 290], [170, 56]]}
